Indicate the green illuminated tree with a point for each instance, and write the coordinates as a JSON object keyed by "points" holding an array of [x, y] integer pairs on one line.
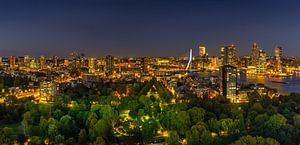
{"points": [[173, 138], [296, 119], [82, 137], [6, 136], [196, 114], [249, 140]]}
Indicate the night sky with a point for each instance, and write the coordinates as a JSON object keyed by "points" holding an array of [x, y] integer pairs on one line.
{"points": [[146, 27]]}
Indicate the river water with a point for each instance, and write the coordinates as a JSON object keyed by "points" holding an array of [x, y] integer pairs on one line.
{"points": [[291, 84]]}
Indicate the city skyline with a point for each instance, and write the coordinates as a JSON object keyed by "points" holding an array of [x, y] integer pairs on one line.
{"points": [[195, 53], [161, 72], [144, 28]]}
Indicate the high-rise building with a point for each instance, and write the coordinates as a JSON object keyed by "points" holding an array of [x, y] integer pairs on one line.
{"points": [[262, 62], [20, 61], [278, 57], [91, 63], [213, 62], [26, 61], [12, 61], [228, 54], [229, 82], [203, 58], [109, 64], [202, 51], [255, 54], [55, 61], [42, 62], [244, 62], [47, 89], [144, 64]]}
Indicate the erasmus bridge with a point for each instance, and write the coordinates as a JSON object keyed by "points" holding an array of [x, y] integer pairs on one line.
{"points": [[189, 65]]}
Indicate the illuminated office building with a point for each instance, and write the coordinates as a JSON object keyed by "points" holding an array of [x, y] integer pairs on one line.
{"points": [[27, 60], [42, 62], [202, 51], [47, 89], [228, 54], [255, 54], [55, 61], [144, 64], [262, 62], [91, 62], [278, 57], [229, 82], [12, 61], [213, 62], [109, 64]]}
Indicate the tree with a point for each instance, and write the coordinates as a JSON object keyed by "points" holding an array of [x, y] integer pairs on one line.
{"points": [[148, 129], [44, 109], [70, 141], [253, 97], [207, 138], [82, 136], [102, 129], [249, 140], [99, 141], [277, 128], [196, 114], [43, 127], [261, 119], [107, 113], [296, 119], [214, 125], [257, 107], [176, 120], [6, 136], [53, 126], [35, 140], [229, 127], [59, 139], [91, 120], [183, 121], [27, 120], [57, 114], [173, 138], [67, 126], [52, 131], [194, 135], [274, 124], [146, 101]]}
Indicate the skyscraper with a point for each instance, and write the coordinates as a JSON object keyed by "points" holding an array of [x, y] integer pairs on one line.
{"points": [[262, 62], [213, 62], [47, 89], [109, 64], [203, 57], [26, 61], [55, 61], [91, 63], [202, 51], [278, 57], [228, 54], [255, 54], [144, 64], [12, 61], [229, 82], [42, 62]]}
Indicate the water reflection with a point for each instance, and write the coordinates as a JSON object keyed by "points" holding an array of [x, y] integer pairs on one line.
{"points": [[282, 84]]}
